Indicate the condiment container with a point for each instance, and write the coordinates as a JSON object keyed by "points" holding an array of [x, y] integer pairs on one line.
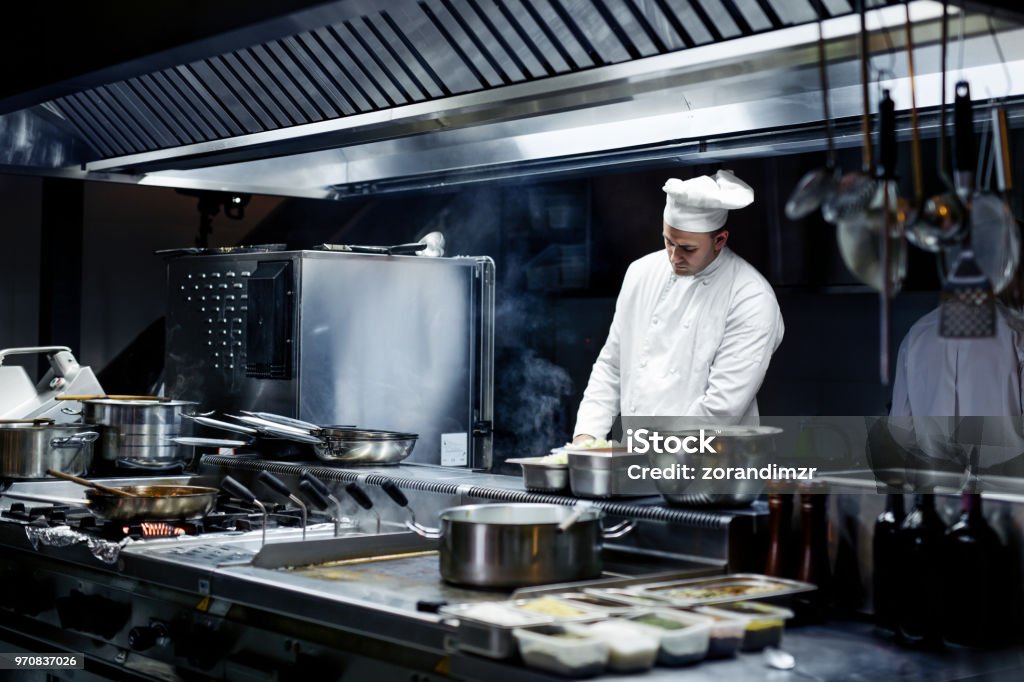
{"points": [[485, 628], [763, 623], [627, 598], [632, 647], [555, 649], [684, 637], [558, 609], [726, 635], [598, 602]]}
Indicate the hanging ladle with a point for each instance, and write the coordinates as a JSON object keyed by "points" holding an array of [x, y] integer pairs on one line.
{"points": [[870, 240], [939, 222], [856, 189], [818, 185]]}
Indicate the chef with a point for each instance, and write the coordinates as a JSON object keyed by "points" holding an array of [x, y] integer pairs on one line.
{"points": [[695, 325], [960, 400]]}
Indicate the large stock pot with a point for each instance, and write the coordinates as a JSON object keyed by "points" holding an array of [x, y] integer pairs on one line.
{"points": [[139, 432], [29, 447], [519, 544]]}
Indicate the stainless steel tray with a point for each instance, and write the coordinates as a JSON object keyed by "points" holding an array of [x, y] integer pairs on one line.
{"points": [[495, 639], [542, 477], [747, 586], [484, 637]]}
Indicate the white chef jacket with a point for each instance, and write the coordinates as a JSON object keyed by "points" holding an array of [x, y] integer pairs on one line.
{"points": [[686, 346], [939, 381], [960, 377]]}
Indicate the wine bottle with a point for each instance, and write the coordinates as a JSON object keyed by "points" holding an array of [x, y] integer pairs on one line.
{"points": [[886, 566], [974, 570], [780, 509], [921, 597], [814, 562]]}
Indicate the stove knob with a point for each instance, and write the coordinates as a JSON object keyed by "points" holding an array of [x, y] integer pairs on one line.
{"points": [[145, 636]]}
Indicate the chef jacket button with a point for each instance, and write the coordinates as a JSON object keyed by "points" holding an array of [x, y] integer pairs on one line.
{"points": [[643, 363], [706, 282], [655, 320]]}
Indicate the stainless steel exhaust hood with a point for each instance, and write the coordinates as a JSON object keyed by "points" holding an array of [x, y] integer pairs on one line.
{"points": [[377, 96]]}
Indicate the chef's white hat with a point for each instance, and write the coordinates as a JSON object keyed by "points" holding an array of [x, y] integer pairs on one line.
{"points": [[702, 204]]}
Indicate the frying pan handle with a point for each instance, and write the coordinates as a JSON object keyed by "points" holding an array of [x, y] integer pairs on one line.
{"points": [[963, 119], [289, 434], [314, 495], [395, 493], [400, 249], [233, 487], [359, 495]]}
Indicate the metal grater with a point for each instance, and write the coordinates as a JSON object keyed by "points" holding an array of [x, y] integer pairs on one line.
{"points": [[968, 307]]}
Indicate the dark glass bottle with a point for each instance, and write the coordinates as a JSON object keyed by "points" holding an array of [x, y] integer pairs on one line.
{"points": [[780, 510], [974, 568], [921, 600], [886, 563], [814, 562]]}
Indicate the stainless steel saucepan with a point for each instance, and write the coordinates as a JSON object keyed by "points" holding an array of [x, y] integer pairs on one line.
{"points": [[28, 447], [519, 544], [138, 431]]}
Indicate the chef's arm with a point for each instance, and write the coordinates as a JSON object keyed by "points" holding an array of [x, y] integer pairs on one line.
{"points": [[601, 402], [753, 330]]}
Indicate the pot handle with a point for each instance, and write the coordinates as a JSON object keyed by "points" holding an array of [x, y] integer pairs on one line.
{"points": [[73, 413], [423, 531], [74, 441], [618, 530]]}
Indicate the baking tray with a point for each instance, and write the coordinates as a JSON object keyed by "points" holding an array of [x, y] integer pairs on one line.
{"points": [[747, 586]]}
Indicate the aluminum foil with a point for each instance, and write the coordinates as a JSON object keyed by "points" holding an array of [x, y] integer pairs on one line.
{"points": [[62, 536]]}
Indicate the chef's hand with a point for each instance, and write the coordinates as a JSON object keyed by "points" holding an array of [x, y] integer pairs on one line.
{"points": [[582, 438]]}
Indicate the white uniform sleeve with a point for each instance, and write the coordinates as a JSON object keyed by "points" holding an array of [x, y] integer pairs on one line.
{"points": [[753, 330], [900, 392], [601, 400]]}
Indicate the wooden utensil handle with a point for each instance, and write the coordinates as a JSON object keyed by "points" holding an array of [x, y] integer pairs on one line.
{"points": [[88, 484], [157, 398]]}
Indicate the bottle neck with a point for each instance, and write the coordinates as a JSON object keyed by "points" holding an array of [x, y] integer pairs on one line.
{"points": [[894, 505], [970, 504]]}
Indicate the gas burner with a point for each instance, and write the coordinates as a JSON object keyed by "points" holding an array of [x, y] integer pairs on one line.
{"points": [[53, 513], [231, 516]]}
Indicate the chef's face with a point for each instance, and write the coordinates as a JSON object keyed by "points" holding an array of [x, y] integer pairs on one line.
{"points": [[691, 252]]}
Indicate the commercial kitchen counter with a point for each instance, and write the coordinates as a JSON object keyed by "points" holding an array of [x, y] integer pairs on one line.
{"points": [[232, 612]]}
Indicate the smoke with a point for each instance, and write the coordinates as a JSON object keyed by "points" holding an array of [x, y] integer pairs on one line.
{"points": [[531, 392]]}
